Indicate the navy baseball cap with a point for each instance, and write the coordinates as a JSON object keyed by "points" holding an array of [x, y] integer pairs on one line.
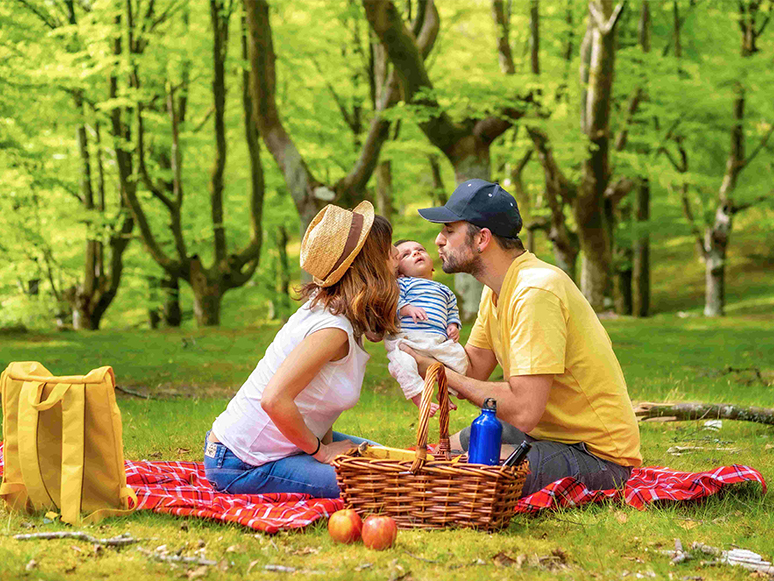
{"points": [[482, 203]]}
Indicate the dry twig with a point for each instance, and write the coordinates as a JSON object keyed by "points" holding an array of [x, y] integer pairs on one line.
{"points": [[119, 541]]}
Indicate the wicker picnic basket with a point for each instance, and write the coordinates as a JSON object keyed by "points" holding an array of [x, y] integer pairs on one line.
{"points": [[431, 492]]}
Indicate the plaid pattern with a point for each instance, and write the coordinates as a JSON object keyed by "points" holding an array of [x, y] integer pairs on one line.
{"points": [[180, 488], [645, 485]]}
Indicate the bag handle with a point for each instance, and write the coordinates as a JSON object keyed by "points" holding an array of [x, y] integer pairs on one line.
{"points": [[73, 447], [435, 373], [56, 395], [33, 371], [28, 445]]}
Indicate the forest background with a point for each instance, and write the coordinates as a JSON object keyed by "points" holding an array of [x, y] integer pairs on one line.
{"points": [[159, 160], [153, 148]]}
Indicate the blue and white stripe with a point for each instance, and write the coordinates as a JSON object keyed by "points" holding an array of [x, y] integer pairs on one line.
{"points": [[438, 301]]}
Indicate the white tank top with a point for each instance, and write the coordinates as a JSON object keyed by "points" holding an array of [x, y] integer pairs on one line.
{"points": [[249, 432]]}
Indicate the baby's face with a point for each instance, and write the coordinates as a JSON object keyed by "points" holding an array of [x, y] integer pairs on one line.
{"points": [[414, 260]]}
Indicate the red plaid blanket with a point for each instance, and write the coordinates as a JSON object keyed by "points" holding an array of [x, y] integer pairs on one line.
{"points": [[180, 488]]}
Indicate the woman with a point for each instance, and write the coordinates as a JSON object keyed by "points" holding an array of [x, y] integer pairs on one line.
{"points": [[276, 433]]}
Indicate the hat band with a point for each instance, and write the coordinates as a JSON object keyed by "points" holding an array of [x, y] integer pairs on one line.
{"points": [[352, 238]]}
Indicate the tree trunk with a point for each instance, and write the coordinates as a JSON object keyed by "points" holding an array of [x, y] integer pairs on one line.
{"points": [[171, 311], [623, 283], [207, 295], [566, 257], [589, 206], [595, 275], [439, 194], [715, 245], [471, 159], [154, 311], [641, 258], [282, 287], [384, 189]]}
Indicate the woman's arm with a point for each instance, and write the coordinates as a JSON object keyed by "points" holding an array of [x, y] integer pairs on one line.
{"points": [[292, 377]]}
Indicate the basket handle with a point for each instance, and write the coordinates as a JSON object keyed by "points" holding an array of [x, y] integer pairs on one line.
{"points": [[436, 372]]}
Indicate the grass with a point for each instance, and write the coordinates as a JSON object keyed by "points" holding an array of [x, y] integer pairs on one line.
{"points": [[192, 374]]}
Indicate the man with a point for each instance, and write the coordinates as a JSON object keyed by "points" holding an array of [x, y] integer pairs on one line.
{"points": [[563, 389]]}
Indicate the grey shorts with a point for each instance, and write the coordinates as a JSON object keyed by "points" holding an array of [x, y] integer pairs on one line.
{"points": [[552, 461]]}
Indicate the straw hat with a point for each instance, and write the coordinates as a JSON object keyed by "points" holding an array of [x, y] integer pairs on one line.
{"points": [[333, 240]]}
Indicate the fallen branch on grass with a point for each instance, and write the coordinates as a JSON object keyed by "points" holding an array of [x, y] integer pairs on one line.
{"points": [[736, 557], [119, 541], [702, 411], [132, 392]]}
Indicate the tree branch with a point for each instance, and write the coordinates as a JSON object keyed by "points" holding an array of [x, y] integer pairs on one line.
{"points": [[671, 159], [615, 192], [634, 104], [503, 42], [605, 26], [144, 175], [757, 150], [703, 411], [740, 207], [523, 161], [299, 179], [339, 103], [407, 58], [252, 250], [46, 18]]}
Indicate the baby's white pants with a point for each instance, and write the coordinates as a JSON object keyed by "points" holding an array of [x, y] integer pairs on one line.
{"points": [[403, 367]]}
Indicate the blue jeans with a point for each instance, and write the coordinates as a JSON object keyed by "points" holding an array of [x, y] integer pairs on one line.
{"points": [[552, 461], [300, 473]]}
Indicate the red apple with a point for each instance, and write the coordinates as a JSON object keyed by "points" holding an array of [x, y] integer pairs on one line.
{"points": [[344, 526], [379, 532]]}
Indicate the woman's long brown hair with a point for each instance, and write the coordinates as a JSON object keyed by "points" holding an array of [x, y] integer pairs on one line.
{"points": [[367, 294]]}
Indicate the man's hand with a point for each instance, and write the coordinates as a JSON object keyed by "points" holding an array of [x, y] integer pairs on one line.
{"points": [[423, 362], [453, 332], [416, 313]]}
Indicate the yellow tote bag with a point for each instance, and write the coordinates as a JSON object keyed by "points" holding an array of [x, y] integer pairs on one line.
{"points": [[63, 447]]}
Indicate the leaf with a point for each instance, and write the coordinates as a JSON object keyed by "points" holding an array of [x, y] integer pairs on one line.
{"points": [[621, 516], [689, 524], [31, 564], [503, 560]]}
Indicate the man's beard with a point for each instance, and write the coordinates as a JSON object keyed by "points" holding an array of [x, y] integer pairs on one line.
{"points": [[470, 264]]}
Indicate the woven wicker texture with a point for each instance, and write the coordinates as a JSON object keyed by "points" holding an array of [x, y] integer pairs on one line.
{"points": [[431, 494]]}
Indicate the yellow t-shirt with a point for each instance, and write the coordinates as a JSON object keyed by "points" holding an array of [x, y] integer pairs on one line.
{"points": [[540, 324]]}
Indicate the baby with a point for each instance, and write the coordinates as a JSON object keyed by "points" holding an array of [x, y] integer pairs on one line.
{"points": [[429, 320]]}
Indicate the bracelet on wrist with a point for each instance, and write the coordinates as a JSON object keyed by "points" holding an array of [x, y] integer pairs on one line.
{"points": [[319, 443]]}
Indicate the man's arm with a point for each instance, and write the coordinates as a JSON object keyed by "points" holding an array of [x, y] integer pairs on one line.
{"points": [[481, 362], [521, 400]]}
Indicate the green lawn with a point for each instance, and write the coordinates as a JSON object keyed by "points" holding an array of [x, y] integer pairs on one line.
{"points": [[191, 374], [675, 356]]}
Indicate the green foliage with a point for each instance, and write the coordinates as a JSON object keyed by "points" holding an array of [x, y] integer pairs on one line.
{"points": [[323, 68]]}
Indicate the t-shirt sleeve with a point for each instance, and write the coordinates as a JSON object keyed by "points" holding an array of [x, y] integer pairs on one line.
{"points": [[403, 284], [538, 338], [479, 333]]}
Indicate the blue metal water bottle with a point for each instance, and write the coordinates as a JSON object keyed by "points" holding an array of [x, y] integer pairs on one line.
{"points": [[486, 431]]}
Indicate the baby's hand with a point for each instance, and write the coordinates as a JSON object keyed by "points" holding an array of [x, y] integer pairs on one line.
{"points": [[453, 332], [416, 313]]}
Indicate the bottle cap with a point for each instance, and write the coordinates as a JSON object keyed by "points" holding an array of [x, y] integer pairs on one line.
{"points": [[490, 404]]}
